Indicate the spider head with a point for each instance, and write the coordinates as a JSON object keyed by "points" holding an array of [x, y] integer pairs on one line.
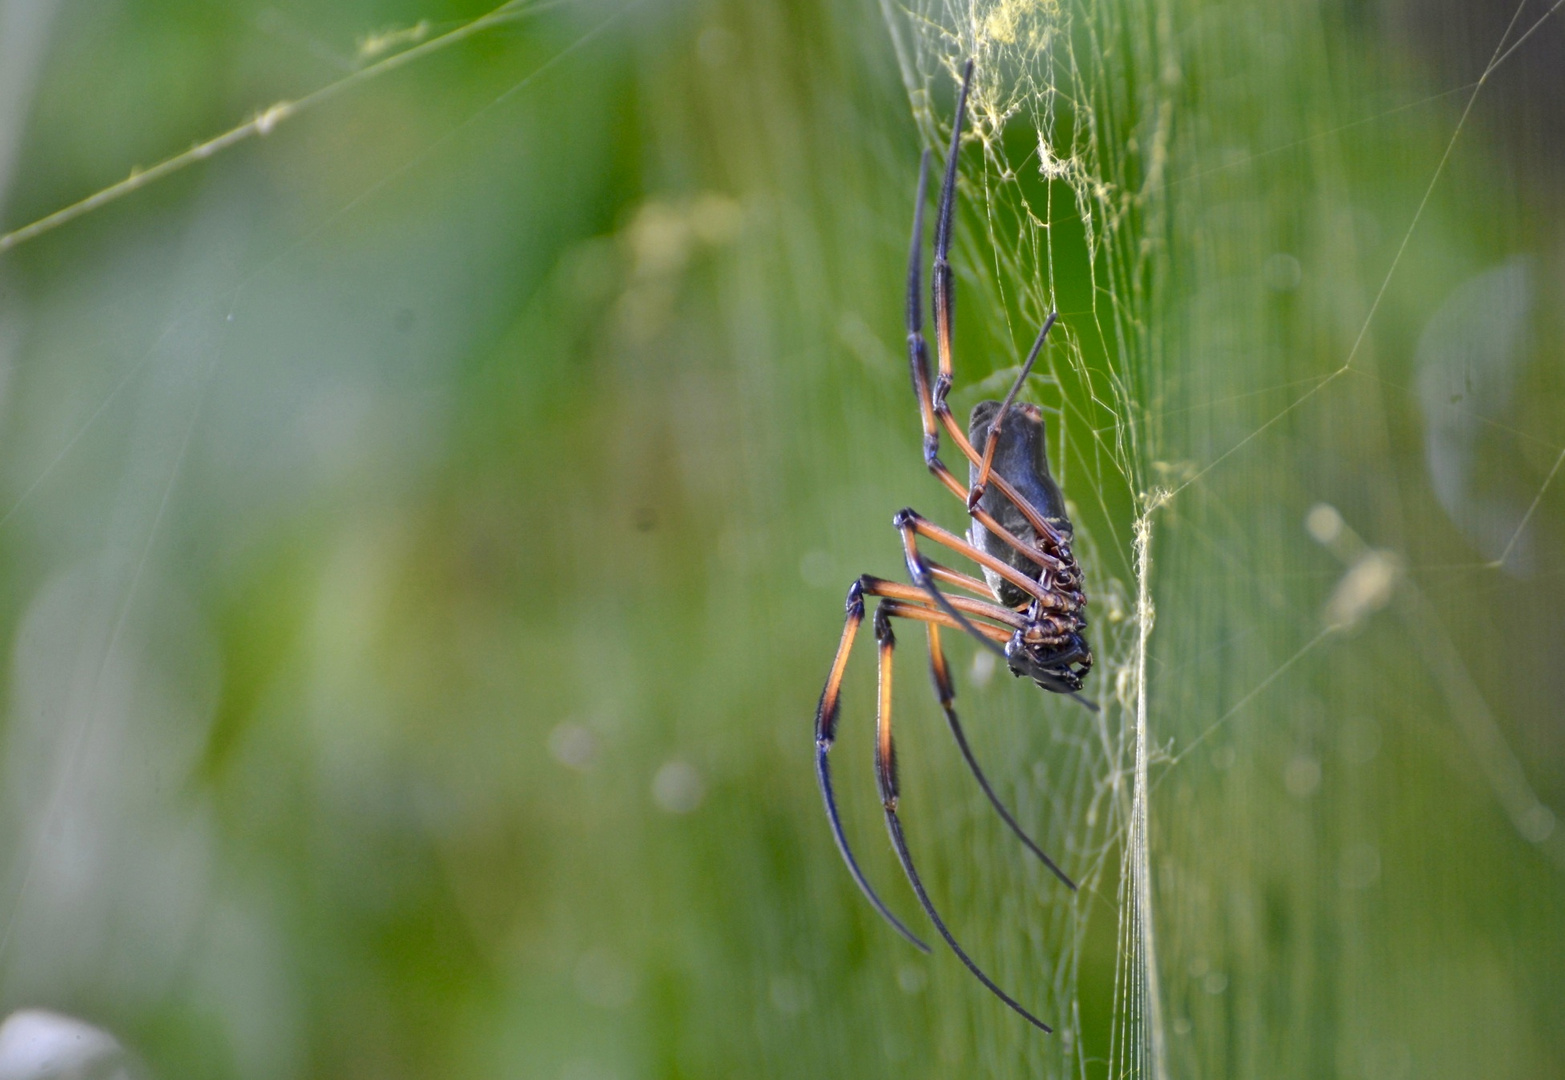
{"points": [[1050, 666]]}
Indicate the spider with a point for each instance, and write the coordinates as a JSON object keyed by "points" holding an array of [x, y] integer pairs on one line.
{"points": [[1020, 537]]}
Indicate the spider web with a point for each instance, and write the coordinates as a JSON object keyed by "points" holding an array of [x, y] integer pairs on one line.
{"points": [[1073, 191], [1053, 159]]}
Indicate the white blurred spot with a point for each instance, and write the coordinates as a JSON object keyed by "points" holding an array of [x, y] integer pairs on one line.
{"points": [[789, 995], [911, 978], [1214, 983], [573, 746], [716, 47], [1282, 272], [1175, 472], [1360, 740], [1360, 866], [984, 665], [1301, 776], [1470, 358], [1182, 1026], [678, 787], [660, 241], [817, 569], [1324, 523], [36, 1044], [1363, 590], [602, 979], [378, 44], [1537, 823]]}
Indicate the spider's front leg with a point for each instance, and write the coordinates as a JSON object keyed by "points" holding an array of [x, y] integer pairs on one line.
{"points": [[934, 412]]}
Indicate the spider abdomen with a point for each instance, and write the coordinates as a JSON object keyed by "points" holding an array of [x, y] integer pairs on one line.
{"points": [[1021, 459]]}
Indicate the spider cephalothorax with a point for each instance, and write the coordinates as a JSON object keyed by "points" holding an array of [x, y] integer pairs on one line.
{"points": [[1028, 607]]}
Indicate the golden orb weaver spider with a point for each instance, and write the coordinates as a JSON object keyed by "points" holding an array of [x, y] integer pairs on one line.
{"points": [[1031, 614]]}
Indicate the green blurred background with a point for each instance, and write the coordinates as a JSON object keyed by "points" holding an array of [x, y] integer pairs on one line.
{"points": [[424, 531]]}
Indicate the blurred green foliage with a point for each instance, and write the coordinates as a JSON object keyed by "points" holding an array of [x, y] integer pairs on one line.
{"points": [[425, 530]]}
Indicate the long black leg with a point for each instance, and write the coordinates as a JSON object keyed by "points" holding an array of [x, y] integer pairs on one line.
{"points": [[976, 492], [918, 366], [886, 776], [944, 294], [917, 351], [940, 276], [825, 733], [946, 692]]}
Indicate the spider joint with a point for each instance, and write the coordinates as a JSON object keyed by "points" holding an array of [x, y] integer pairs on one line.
{"points": [[855, 604]]}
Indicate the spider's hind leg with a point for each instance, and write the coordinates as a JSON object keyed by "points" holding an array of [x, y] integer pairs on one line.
{"points": [[886, 773], [946, 692], [825, 735]]}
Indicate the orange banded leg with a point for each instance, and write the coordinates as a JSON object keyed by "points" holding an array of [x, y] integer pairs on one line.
{"points": [[917, 350], [926, 581], [944, 294], [941, 284], [985, 609], [825, 733], [931, 402], [960, 580], [978, 514], [901, 609], [886, 775], [946, 692], [909, 522]]}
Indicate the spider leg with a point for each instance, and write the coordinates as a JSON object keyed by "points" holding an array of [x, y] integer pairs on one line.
{"points": [[900, 603], [946, 692], [960, 580], [917, 350], [921, 611], [976, 492], [825, 733], [941, 284], [895, 590], [931, 404], [977, 513], [943, 287], [925, 580], [910, 522], [886, 777]]}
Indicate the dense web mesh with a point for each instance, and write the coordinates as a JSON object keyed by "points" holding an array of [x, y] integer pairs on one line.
{"points": [[1063, 197], [1067, 206]]}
